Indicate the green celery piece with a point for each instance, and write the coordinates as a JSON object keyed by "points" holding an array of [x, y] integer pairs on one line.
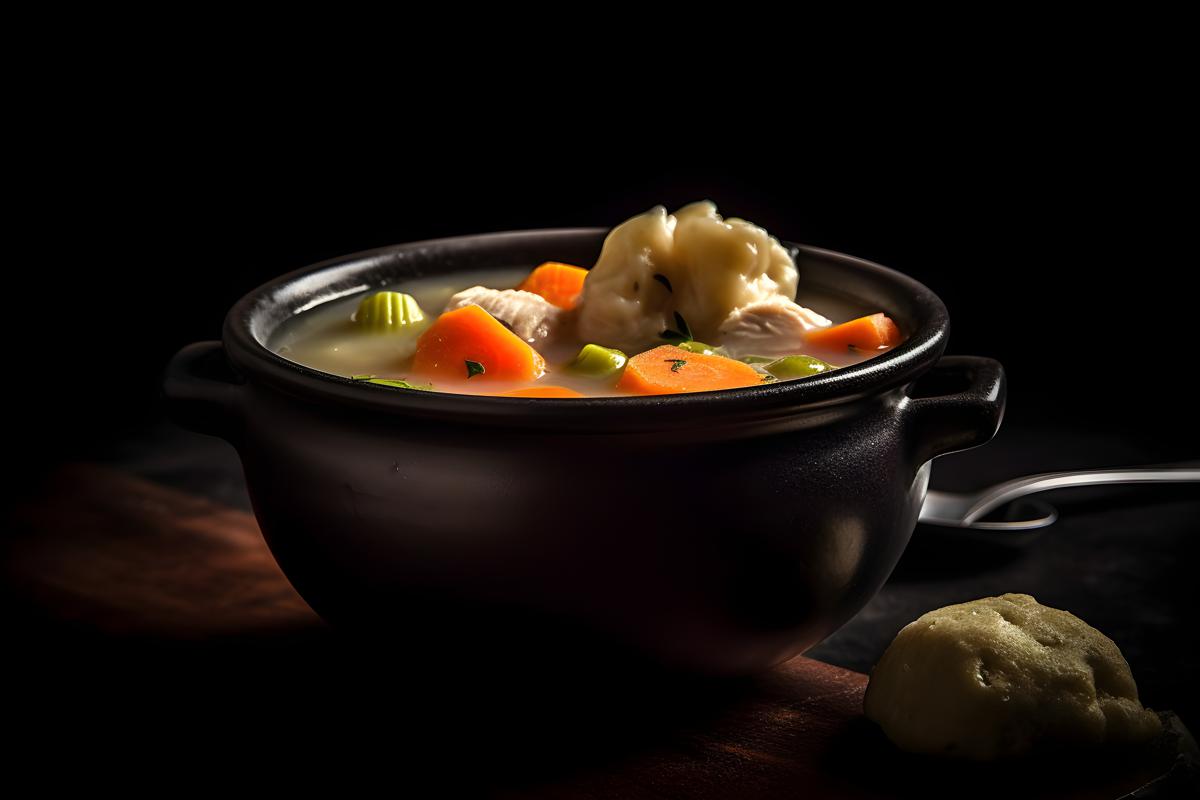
{"points": [[595, 361], [389, 312], [699, 347], [797, 367]]}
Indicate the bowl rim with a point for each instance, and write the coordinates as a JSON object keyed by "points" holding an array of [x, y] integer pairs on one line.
{"points": [[254, 361]]}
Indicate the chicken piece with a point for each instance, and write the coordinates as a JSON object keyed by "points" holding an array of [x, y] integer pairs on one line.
{"points": [[528, 315], [692, 263], [774, 327]]}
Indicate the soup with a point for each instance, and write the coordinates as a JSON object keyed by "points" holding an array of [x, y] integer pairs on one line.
{"points": [[675, 303]]}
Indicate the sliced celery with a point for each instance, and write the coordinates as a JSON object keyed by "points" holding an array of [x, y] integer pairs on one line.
{"points": [[595, 361], [797, 367], [699, 347], [389, 312]]}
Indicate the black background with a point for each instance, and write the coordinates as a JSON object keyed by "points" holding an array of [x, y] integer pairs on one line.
{"points": [[1052, 218]]}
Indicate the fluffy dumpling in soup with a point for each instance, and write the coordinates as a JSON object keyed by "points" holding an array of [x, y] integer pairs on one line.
{"points": [[692, 263]]}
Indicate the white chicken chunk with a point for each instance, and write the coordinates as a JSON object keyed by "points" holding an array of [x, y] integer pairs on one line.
{"points": [[774, 327], [529, 315], [692, 263]]}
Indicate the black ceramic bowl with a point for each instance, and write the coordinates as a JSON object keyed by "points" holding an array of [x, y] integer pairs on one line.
{"points": [[718, 531]]}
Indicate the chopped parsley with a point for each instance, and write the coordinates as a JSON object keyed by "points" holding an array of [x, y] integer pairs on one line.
{"points": [[399, 384], [683, 334], [474, 368], [395, 383], [676, 363]]}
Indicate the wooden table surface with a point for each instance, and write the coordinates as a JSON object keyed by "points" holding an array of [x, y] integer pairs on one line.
{"points": [[135, 601]]}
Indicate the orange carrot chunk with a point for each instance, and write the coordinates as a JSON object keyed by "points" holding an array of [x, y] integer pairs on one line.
{"points": [[469, 343], [542, 391], [558, 283], [864, 333], [669, 370]]}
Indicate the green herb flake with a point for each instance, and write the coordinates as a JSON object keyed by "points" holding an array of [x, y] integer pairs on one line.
{"points": [[683, 334], [663, 280], [401, 384], [681, 323], [676, 363], [474, 368], [395, 383]]}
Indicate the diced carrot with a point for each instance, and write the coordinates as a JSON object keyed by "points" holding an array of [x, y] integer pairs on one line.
{"points": [[542, 391], [558, 283], [469, 343], [669, 370], [864, 333]]}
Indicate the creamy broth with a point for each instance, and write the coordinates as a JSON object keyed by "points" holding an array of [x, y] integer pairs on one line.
{"points": [[326, 338]]}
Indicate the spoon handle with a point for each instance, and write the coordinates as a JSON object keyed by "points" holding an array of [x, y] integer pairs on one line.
{"points": [[1006, 492]]}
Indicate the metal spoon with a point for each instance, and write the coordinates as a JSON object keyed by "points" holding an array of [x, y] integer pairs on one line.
{"points": [[967, 509]]}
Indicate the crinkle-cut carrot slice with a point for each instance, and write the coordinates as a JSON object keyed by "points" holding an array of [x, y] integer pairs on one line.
{"points": [[469, 343]]}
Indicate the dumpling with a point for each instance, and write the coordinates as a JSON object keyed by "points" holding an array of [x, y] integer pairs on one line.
{"points": [[692, 263], [1002, 676]]}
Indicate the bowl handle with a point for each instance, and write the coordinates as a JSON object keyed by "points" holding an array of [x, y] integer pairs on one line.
{"points": [[202, 392], [957, 404]]}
